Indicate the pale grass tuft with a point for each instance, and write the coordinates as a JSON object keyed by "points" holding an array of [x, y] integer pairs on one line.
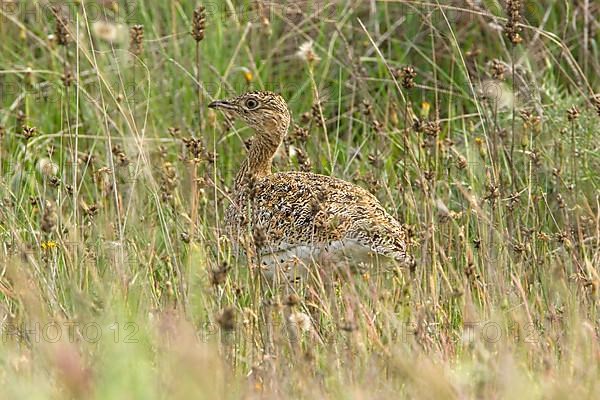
{"points": [[307, 53], [110, 32]]}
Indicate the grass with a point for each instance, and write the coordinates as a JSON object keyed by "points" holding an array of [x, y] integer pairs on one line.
{"points": [[116, 280]]}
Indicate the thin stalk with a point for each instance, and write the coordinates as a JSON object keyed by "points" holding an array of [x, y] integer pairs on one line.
{"points": [[513, 117], [194, 165]]}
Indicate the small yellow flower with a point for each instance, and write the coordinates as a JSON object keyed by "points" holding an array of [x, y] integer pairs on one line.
{"points": [[49, 245], [248, 76], [425, 108]]}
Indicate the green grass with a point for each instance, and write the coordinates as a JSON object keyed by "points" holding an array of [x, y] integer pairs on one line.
{"points": [[111, 225]]}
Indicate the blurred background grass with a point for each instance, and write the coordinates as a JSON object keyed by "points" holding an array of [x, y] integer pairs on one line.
{"points": [[116, 280]]}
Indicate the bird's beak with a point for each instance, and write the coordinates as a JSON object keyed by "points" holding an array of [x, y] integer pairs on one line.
{"points": [[224, 104]]}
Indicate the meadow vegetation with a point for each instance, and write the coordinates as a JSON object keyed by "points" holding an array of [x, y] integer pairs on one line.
{"points": [[476, 123]]}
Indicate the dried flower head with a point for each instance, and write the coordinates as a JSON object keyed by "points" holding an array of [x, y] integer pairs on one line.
{"points": [[407, 74], [531, 120], [194, 146], [136, 43], [54, 181], [199, 23], [90, 211], [493, 192], [264, 18], [498, 69], [47, 167], [118, 152], [67, 78], [185, 237], [461, 162], [512, 28], [168, 181], [49, 218], [29, 132], [432, 128], [60, 32], [292, 300], [226, 319], [174, 132], [300, 134], [219, 275], [573, 113]]}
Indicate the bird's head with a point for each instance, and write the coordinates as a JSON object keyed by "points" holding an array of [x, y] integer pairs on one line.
{"points": [[265, 112]]}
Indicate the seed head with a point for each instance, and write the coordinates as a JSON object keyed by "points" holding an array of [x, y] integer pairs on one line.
{"points": [[194, 146], [219, 275], [528, 117], [407, 74], [168, 181], [226, 319], [498, 69], [49, 218], [54, 181], [90, 210], [432, 128], [300, 134], [512, 28], [199, 23], [185, 237], [461, 162], [67, 78], [174, 132], [573, 113], [61, 32], [292, 300], [136, 43], [29, 132], [118, 152]]}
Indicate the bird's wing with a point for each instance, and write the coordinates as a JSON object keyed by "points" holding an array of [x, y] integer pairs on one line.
{"points": [[303, 209]]}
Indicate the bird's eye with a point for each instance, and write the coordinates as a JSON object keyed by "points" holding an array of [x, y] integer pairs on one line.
{"points": [[251, 104]]}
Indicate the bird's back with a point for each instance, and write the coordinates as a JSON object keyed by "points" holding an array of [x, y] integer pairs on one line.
{"points": [[304, 214]]}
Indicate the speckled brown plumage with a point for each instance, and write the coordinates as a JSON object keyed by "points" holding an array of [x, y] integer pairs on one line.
{"points": [[296, 215]]}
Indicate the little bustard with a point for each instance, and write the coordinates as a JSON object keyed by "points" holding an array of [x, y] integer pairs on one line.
{"points": [[295, 215]]}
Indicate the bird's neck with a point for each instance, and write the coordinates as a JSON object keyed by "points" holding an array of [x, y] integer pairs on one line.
{"points": [[259, 161]]}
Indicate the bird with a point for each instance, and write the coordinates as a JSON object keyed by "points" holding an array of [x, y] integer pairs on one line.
{"points": [[297, 218]]}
